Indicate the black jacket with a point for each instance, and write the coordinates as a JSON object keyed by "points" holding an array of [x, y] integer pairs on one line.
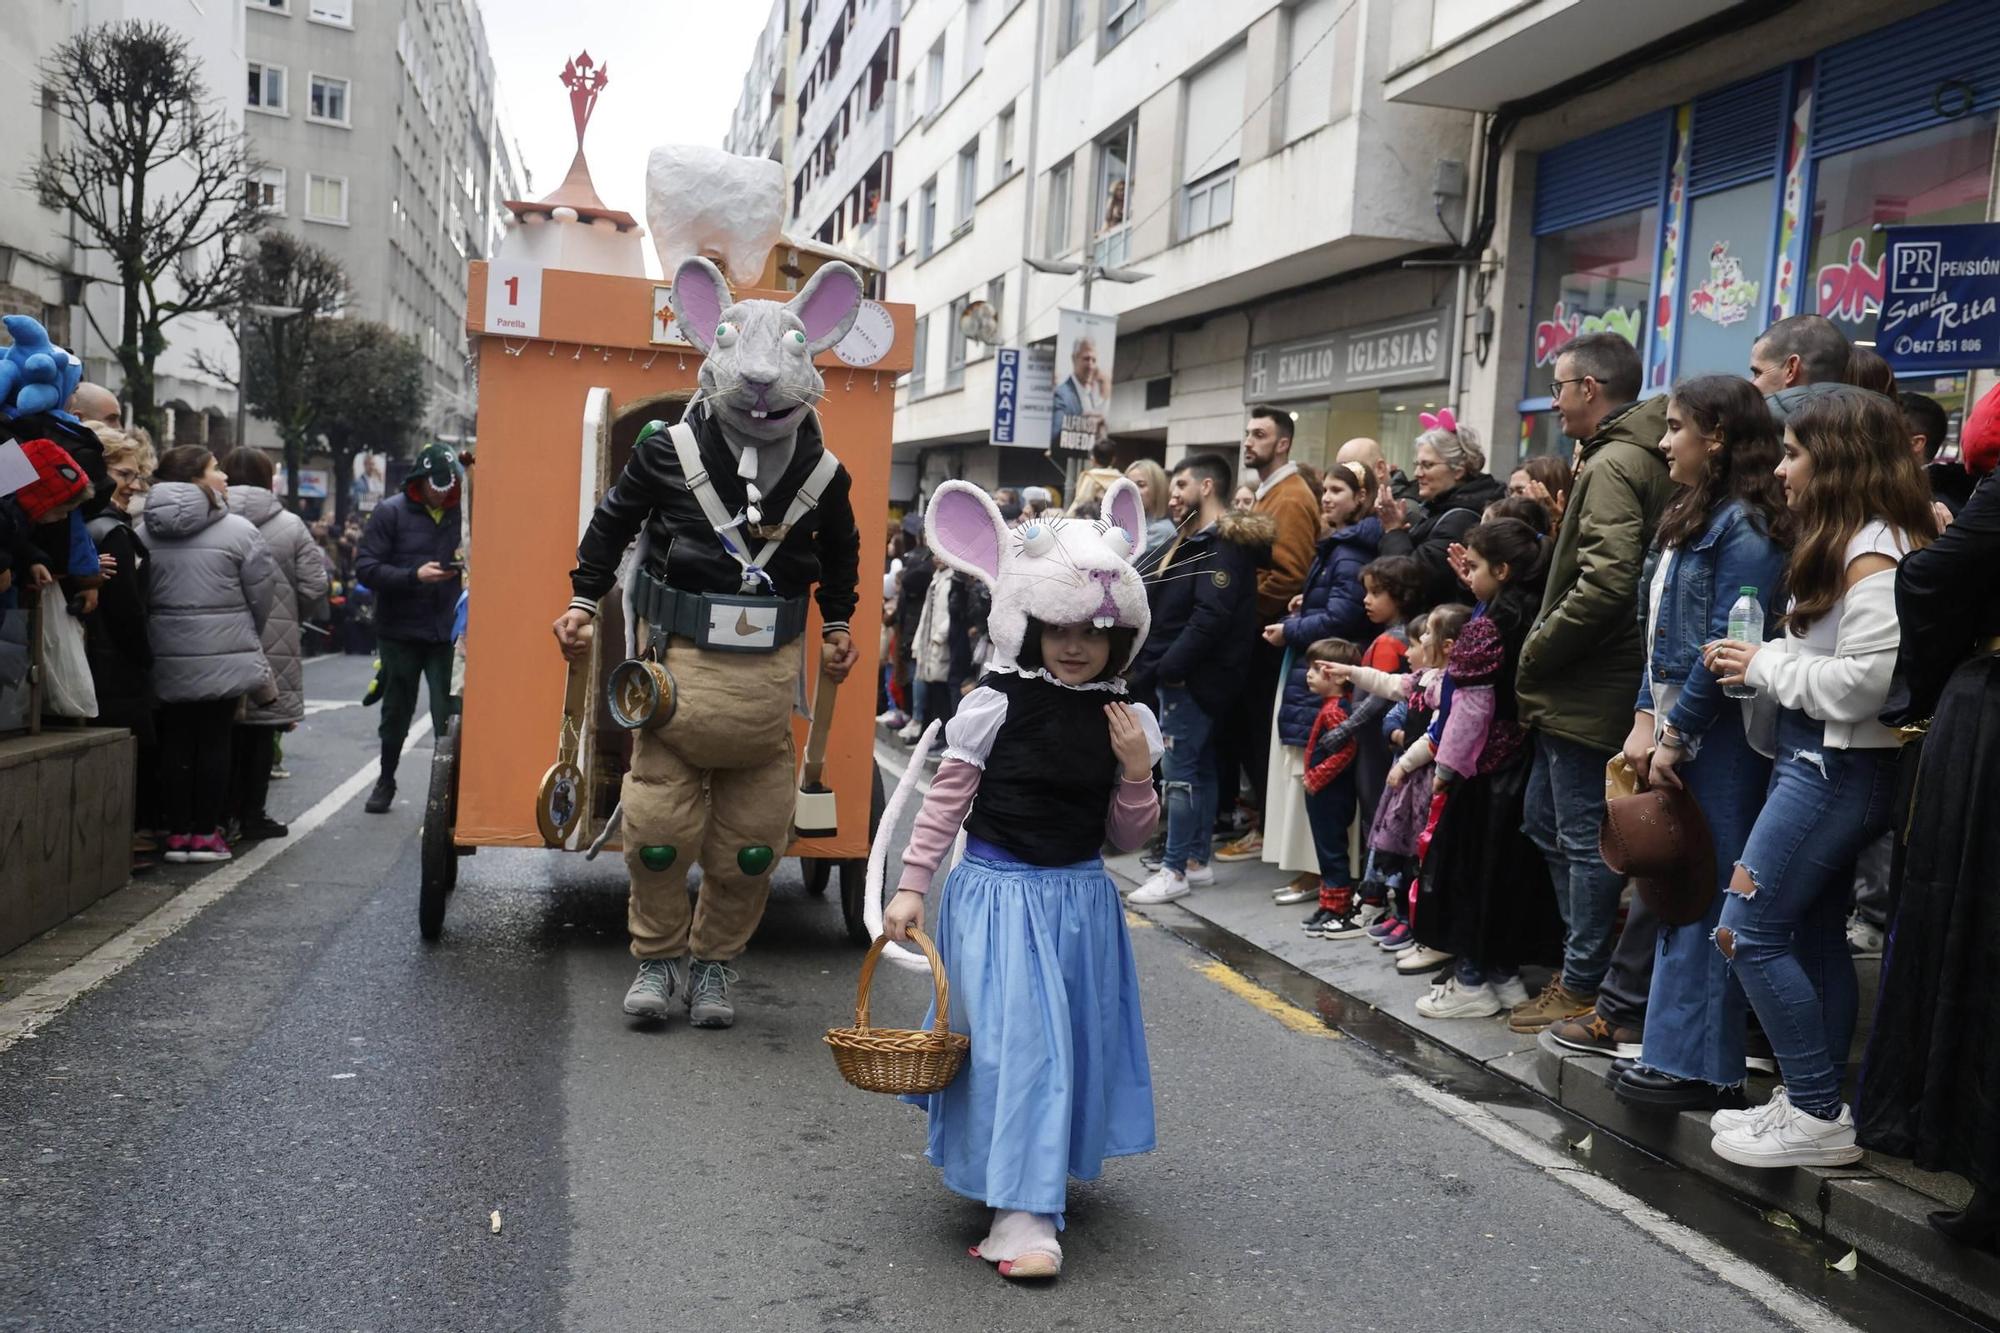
{"points": [[401, 537], [1204, 604], [1430, 537], [824, 549], [114, 635]]}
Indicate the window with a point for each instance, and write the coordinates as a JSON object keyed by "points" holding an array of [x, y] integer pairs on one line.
{"points": [[1055, 232], [1003, 145], [1070, 33], [934, 79], [1120, 17], [338, 12], [920, 355], [267, 190], [996, 296], [326, 199], [326, 99], [271, 6], [1590, 277], [267, 88], [1208, 202], [902, 230], [1111, 235], [968, 184], [927, 219], [1309, 91], [908, 110], [954, 360], [975, 38]]}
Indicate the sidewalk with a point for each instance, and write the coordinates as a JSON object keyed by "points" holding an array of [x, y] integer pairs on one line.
{"points": [[1877, 1206]]}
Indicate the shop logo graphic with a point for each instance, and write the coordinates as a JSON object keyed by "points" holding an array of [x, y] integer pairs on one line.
{"points": [[1916, 268], [1554, 333], [1725, 298], [1851, 291]]}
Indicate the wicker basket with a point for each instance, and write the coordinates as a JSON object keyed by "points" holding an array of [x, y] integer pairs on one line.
{"points": [[900, 1060]]}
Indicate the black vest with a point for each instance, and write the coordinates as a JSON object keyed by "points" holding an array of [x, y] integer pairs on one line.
{"points": [[1046, 792]]}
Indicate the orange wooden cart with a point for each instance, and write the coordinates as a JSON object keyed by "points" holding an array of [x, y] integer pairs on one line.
{"points": [[569, 372]]}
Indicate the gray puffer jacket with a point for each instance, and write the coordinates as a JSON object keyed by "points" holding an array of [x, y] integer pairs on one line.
{"points": [[213, 585], [301, 596]]}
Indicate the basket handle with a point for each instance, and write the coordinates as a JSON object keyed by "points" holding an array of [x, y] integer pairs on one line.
{"points": [[942, 1022]]}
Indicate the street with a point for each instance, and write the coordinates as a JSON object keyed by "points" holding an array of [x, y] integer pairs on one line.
{"points": [[294, 1115]]}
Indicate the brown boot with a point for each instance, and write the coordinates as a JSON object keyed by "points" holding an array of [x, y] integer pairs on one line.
{"points": [[1556, 1002]]}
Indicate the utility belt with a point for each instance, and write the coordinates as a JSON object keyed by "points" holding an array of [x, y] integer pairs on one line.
{"points": [[719, 622]]}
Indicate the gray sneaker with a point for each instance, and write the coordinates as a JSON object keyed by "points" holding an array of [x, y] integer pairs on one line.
{"points": [[652, 991], [708, 995]]}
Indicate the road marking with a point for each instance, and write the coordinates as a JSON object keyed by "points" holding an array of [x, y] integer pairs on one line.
{"points": [[21, 1016], [313, 706], [1753, 1281], [1293, 1017]]}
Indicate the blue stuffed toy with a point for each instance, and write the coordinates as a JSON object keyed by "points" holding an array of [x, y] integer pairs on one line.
{"points": [[35, 374]]}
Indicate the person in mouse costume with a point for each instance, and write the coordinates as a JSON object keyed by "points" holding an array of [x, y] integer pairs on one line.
{"points": [[1044, 763], [744, 513]]}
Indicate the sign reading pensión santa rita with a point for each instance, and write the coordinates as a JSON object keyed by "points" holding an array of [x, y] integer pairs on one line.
{"points": [[1410, 350], [1940, 298], [1023, 395]]}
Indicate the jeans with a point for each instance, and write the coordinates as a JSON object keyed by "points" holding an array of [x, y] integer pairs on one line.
{"points": [[1694, 1012], [1330, 810], [1189, 768], [1562, 809], [1788, 939]]}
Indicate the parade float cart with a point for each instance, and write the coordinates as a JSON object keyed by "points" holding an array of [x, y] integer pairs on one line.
{"points": [[576, 352]]}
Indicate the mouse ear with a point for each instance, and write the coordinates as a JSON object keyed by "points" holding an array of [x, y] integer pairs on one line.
{"points": [[698, 298], [827, 305], [964, 527], [1122, 508]]}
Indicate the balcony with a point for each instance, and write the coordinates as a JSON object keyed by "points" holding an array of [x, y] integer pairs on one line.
{"points": [[872, 24], [873, 137], [1476, 55]]}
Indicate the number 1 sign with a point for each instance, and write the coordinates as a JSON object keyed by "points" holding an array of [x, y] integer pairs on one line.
{"points": [[514, 300]]}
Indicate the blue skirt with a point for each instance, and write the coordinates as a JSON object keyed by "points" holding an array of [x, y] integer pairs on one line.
{"points": [[1043, 980]]}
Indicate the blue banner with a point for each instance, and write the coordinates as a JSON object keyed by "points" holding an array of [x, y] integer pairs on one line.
{"points": [[1941, 298]]}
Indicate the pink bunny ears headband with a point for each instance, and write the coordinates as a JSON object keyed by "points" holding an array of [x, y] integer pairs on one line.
{"points": [[1443, 420]]}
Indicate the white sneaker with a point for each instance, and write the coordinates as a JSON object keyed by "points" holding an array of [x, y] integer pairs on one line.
{"points": [[1421, 958], [1864, 940], [1790, 1137], [1513, 992], [1163, 887], [911, 734], [1449, 999], [1724, 1121], [1199, 876]]}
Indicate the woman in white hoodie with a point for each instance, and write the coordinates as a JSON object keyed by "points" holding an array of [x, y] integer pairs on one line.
{"points": [[1862, 504]]}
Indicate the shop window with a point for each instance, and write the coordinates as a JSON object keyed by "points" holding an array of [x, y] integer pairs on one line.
{"points": [[1590, 277], [1728, 258], [1938, 175], [1112, 234]]}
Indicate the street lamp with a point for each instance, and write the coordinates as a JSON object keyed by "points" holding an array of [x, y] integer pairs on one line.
{"points": [[245, 309]]}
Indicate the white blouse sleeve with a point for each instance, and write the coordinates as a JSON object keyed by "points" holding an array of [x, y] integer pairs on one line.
{"points": [[968, 737], [1156, 746]]}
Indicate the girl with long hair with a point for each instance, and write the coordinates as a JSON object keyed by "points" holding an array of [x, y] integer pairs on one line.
{"points": [[1862, 506], [1725, 530]]}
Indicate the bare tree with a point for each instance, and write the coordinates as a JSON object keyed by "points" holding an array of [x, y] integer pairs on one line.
{"points": [[157, 180], [290, 286]]}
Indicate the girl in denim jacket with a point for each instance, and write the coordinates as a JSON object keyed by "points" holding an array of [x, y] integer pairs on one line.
{"points": [[1725, 530]]}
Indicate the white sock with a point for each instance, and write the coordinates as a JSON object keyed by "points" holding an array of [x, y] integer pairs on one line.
{"points": [[1015, 1233]]}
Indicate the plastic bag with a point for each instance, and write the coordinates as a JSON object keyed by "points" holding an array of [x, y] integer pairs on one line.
{"points": [[1620, 778], [68, 690]]}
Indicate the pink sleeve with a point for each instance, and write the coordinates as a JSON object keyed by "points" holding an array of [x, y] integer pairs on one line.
{"points": [[1464, 737], [1135, 813], [937, 823]]}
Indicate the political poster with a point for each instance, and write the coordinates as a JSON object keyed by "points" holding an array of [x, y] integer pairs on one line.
{"points": [[1086, 347]]}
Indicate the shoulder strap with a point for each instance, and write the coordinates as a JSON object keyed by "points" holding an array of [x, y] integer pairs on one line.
{"points": [[806, 500]]}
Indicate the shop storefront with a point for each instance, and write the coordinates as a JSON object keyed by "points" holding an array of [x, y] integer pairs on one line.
{"points": [[1372, 380], [1691, 229]]}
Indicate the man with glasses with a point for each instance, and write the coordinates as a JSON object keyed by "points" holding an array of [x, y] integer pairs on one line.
{"points": [[1581, 664]]}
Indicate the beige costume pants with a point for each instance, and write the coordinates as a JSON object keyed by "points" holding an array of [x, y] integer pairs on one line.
{"points": [[716, 785]]}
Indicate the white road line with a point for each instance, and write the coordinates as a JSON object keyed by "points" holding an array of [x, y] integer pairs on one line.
{"points": [[1753, 1281], [21, 1016]]}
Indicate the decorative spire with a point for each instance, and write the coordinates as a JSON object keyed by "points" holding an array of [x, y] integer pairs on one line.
{"points": [[585, 79]]}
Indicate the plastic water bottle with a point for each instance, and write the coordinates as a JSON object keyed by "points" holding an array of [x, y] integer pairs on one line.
{"points": [[1746, 625]]}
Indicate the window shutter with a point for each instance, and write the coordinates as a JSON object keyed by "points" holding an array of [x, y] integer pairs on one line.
{"points": [[1215, 115], [1611, 172], [1738, 134], [1886, 83]]}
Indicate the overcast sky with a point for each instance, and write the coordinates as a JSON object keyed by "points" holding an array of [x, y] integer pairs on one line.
{"points": [[676, 70]]}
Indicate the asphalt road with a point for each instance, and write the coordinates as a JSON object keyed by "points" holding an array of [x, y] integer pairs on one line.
{"points": [[294, 1115]]}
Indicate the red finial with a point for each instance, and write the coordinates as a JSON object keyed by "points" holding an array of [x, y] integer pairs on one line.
{"points": [[585, 80]]}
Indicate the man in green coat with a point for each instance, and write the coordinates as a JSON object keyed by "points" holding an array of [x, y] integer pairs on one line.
{"points": [[1581, 665]]}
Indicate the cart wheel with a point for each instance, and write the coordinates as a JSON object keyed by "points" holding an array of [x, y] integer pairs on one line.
{"points": [[818, 872], [439, 858], [854, 874]]}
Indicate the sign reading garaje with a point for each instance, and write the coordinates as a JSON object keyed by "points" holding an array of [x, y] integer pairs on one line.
{"points": [[1941, 298]]}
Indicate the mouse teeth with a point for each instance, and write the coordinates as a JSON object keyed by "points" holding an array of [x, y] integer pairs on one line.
{"points": [[755, 415], [1104, 622]]}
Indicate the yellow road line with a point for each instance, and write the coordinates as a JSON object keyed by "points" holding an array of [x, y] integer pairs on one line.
{"points": [[1293, 1017]]}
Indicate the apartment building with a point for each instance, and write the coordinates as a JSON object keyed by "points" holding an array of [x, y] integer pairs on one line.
{"points": [[44, 270], [382, 127], [763, 124], [1237, 161], [839, 167], [1686, 174]]}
